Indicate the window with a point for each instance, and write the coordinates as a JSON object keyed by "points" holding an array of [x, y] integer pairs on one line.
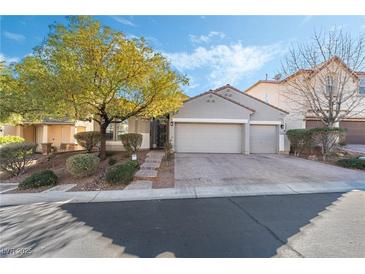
{"points": [[114, 130], [362, 87], [329, 85]]}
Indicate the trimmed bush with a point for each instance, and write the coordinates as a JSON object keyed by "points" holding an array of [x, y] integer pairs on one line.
{"points": [[300, 140], [82, 165], [304, 139], [121, 174], [352, 163], [131, 142], [132, 163], [10, 139], [15, 157], [39, 179], [88, 139]]}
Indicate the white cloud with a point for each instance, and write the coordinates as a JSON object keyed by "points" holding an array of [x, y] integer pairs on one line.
{"points": [[123, 21], [225, 64], [199, 39], [17, 37], [8, 60]]}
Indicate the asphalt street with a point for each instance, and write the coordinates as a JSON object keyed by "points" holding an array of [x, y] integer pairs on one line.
{"points": [[235, 227]]}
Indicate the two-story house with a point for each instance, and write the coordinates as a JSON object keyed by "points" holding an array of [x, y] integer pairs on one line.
{"points": [[280, 93]]}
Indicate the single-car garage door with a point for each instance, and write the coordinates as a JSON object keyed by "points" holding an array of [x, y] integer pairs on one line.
{"points": [[263, 139], [355, 131], [208, 138]]}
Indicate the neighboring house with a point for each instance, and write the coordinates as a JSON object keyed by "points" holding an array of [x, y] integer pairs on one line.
{"points": [[226, 120], [58, 132], [276, 92]]}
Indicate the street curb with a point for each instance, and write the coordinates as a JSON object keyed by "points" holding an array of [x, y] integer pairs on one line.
{"points": [[161, 194]]}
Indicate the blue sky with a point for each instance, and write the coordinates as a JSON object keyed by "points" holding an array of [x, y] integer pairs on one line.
{"points": [[210, 50]]}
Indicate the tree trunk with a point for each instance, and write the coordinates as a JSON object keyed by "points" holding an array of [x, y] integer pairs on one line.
{"points": [[102, 152]]}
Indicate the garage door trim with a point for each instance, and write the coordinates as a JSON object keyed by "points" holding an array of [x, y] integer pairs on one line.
{"points": [[208, 120]]}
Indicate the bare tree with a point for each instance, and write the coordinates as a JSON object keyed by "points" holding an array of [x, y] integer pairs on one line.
{"points": [[322, 76]]}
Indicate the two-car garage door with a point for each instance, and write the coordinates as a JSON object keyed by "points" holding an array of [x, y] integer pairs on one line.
{"points": [[224, 138], [208, 137]]}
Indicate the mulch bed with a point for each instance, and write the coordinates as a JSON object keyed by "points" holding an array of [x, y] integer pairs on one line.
{"points": [[92, 183]]}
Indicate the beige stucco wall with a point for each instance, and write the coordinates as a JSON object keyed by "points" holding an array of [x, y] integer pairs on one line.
{"points": [[210, 106], [58, 134], [135, 125], [138, 125], [9, 130], [279, 94], [263, 112]]}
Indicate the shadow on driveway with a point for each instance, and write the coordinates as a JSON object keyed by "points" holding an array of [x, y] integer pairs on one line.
{"points": [[212, 227]]}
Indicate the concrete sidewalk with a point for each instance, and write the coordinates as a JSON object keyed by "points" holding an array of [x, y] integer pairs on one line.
{"points": [[337, 232], [180, 192]]}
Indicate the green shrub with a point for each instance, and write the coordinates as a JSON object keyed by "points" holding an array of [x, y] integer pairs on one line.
{"points": [[132, 163], [88, 139], [10, 139], [326, 138], [300, 140], [15, 157], [112, 161], [121, 174], [352, 163], [82, 165], [131, 142], [39, 179]]}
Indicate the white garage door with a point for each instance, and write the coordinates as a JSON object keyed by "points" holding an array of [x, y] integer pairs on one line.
{"points": [[208, 138], [263, 139]]}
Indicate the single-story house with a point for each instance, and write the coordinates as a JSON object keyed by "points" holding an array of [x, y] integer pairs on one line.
{"points": [[226, 120], [60, 133]]}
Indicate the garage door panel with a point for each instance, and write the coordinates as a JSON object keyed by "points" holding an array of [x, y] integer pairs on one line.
{"points": [[263, 139], [355, 131], [208, 138]]}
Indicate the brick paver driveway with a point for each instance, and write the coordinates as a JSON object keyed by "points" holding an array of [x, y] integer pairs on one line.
{"points": [[231, 169]]}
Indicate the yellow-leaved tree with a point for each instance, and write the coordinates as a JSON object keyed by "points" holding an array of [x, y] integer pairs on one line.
{"points": [[88, 71]]}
